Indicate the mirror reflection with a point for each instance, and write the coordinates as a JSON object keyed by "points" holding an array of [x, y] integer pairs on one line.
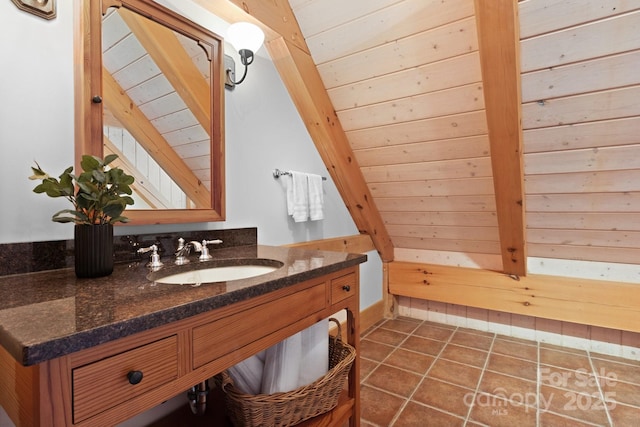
{"points": [[151, 89], [157, 110]]}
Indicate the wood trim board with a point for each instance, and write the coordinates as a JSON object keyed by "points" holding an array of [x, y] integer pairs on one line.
{"points": [[614, 305]]}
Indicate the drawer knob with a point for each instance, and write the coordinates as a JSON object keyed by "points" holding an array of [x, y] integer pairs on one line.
{"points": [[134, 377], [346, 288]]}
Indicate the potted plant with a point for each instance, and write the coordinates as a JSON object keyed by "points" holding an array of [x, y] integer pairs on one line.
{"points": [[99, 196]]}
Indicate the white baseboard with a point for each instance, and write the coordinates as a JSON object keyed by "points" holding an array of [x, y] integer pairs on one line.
{"points": [[415, 311]]}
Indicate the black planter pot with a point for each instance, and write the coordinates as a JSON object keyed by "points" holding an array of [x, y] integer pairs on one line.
{"points": [[93, 250]]}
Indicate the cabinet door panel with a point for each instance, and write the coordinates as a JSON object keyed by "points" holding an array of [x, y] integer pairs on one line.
{"points": [[221, 337]]}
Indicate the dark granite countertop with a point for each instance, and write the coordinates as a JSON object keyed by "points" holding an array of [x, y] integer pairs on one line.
{"points": [[49, 314]]}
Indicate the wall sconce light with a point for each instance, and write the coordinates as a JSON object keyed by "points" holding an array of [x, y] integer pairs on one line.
{"points": [[246, 38]]}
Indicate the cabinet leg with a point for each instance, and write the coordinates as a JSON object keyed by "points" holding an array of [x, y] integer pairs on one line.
{"points": [[353, 338], [390, 301]]}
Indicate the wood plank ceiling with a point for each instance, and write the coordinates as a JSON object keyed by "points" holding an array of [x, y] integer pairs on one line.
{"points": [[406, 80], [416, 87]]}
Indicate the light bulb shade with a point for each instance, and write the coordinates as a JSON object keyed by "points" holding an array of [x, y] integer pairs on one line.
{"points": [[244, 35]]}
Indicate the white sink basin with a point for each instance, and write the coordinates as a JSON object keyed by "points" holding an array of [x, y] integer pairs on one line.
{"points": [[216, 274]]}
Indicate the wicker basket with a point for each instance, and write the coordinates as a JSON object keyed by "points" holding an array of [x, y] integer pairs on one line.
{"points": [[292, 407]]}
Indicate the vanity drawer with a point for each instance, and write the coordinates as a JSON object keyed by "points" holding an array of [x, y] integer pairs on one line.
{"points": [[343, 287], [221, 337], [105, 383]]}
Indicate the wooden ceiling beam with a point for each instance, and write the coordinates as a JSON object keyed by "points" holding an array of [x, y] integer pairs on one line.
{"points": [[299, 73], [499, 42]]}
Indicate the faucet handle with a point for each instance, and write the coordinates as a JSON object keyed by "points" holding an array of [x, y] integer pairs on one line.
{"points": [[153, 248], [204, 252], [155, 257]]}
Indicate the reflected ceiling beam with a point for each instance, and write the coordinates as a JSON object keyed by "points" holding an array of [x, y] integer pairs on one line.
{"points": [[137, 124], [297, 70], [175, 63], [499, 42], [148, 193]]}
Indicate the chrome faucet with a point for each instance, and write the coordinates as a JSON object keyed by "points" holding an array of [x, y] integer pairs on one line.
{"points": [[184, 249], [182, 252]]}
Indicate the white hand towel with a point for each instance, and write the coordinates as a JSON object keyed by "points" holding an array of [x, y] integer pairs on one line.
{"points": [[315, 353], [300, 196], [316, 197], [282, 365], [247, 375], [289, 186]]}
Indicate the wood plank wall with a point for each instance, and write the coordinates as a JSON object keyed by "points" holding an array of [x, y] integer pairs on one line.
{"points": [[580, 82], [405, 80], [404, 77], [581, 119]]}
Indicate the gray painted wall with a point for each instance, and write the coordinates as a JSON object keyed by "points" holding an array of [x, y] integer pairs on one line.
{"points": [[263, 132]]}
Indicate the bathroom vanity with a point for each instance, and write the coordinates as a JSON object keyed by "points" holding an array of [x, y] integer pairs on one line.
{"points": [[95, 352]]}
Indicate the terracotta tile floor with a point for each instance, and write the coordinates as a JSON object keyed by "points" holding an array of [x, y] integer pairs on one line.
{"points": [[416, 373]]}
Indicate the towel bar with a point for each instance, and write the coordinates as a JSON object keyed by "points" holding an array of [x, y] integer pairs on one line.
{"points": [[277, 173]]}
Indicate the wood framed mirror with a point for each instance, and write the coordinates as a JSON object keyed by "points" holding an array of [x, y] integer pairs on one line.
{"points": [[150, 88]]}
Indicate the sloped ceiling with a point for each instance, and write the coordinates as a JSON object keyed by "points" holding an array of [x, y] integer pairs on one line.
{"points": [[494, 127]]}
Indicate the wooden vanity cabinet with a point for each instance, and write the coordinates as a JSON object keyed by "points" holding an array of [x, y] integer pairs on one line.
{"points": [[111, 382]]}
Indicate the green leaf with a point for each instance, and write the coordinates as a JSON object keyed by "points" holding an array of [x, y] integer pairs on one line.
{"points": [[39, 189], [124, 189], [128, 200], [114, 210], [70, 215], [99, 176], [119, 219], [63, 219], [88, 189], [90, 163], [67, 171], [109, 158], [51, 187], [38, 174]]}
